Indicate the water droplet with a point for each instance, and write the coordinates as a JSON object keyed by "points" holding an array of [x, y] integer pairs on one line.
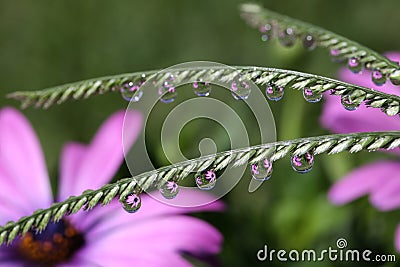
{"points": [[355, 65], [302, 163], [395, 77], [132, 202], [130, 91], [311, 95], [240, 89], [167, 90], [378, 77], [350, 103], [336, 56], [169, 190], [309, 42], [262, 170], [267, 32], [202, 88], [274, 92], [206, 180], [287, 37]]}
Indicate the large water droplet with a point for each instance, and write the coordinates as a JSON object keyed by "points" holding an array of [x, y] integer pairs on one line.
{"points": [[267, 32], [169, 190], [167, 90], [202, 88], [355, 65], [287, 37], [302, 163], [262, 170], [240, 89], [311, 95], [378, 77], [206, 180], [309, 42], [274, 92], [132, 202], [349, 102]]}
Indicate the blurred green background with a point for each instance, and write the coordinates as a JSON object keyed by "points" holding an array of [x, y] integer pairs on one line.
{"points": [[45, 43]]}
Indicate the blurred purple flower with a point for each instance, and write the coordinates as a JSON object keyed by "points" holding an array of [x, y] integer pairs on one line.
{"points": [[106, 236], [381, 180]]}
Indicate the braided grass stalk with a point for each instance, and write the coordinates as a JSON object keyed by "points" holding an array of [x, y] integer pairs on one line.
{"points": [[330, 144]]}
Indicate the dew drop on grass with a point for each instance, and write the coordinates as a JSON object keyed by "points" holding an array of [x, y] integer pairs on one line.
{"points": [[240, 89], [378, 77], [274, 92], [355, 65], [206, 180], [349, 102], [302, 163], [167, 90], [287, 37], [310, 95], [169, 190], [262, 170], [132, 202], [309, 42], [202, 88]]}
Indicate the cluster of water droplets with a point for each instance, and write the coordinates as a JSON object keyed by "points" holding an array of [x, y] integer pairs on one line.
{"points": [[287, 36], [356, 65]]}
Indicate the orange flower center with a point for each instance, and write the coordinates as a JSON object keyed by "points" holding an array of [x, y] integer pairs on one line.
{"points": [[56, 244]]}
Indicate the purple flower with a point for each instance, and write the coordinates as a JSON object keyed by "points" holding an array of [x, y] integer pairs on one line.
{"points": [[380, 180], [156, 235]]}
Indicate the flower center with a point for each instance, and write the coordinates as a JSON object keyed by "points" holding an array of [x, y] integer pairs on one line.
{"points": [[56, 244]]}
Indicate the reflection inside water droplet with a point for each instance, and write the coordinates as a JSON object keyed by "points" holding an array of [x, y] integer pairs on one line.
{"points": [[206, 180], [167, 90], [132, 202], [274, 92], [378, 77], [240, 89], [302, 163], [170, 189], [262, 170], [201, 88]]}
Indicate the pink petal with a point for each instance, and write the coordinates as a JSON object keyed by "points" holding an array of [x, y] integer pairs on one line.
{"points": [[71, 159], [23, 175], [397, 238], [145, 258], [362, 181], [386, 196], [98, 162], [166, 236], [113, 215]]}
